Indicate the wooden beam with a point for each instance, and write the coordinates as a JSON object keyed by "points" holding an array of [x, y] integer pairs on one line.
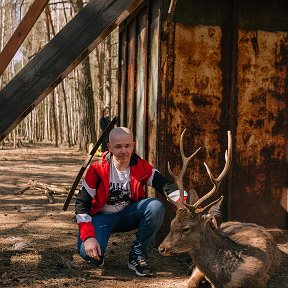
{"points": [[21, 33], [48, 68]]}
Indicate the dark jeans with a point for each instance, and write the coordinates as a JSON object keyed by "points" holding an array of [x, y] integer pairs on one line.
{"points": [[146, 215]]}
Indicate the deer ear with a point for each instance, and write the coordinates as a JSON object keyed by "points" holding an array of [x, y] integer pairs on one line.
{"points": [[215, 210]]}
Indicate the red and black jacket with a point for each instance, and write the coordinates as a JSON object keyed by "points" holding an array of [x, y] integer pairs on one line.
{"points": [[94, 192]]}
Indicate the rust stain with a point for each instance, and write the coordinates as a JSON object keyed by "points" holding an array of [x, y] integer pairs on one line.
{"points": [[195, 101], [261, 132], [261, 102]]}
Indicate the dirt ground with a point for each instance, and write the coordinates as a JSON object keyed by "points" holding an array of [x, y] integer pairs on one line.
{"points": [[37, 239]]}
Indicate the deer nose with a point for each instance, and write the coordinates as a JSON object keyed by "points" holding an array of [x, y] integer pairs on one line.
{"points": [[162, 249]]}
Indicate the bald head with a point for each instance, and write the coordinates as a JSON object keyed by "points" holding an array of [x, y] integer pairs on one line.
{"points": [[121, 146], [120, 132]]}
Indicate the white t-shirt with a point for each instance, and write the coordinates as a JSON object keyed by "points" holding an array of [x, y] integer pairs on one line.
{"points": [[119, 190]]}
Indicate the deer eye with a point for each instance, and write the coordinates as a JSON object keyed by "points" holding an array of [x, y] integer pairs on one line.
{"points": [[185, 229]]}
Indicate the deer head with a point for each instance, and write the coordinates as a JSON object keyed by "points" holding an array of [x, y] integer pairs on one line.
{"points": [[191, 220]]}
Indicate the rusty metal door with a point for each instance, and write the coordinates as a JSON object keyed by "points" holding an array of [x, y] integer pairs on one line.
{"points": [[224, 66], [259, 183]]}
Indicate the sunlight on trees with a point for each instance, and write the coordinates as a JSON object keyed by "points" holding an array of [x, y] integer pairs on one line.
{"points": [[57, 119]]}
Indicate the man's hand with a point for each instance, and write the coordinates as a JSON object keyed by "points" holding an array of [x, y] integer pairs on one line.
{"points": [[92, 248]]}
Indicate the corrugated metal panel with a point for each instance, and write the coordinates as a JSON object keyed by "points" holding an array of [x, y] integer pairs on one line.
{"points": [[141, 84], [131, 67], [123, 71], [166, 84], [153, 84], [214, 77], [152, 97], [191, 82]]}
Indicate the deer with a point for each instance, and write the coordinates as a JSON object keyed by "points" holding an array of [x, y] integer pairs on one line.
{"points": [[233, 255]]}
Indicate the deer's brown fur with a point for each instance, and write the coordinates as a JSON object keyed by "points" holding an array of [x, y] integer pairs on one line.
{"points": [[235, 255]]}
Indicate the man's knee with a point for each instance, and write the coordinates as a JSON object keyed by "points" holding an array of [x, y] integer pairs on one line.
{"points": [[156, 210], [157, 206]]}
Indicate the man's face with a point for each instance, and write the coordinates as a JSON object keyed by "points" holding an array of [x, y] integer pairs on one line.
{"points": [[121, 148], [106, 112]]}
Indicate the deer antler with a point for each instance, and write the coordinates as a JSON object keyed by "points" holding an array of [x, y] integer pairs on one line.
{"points": [[216, 181], [179, 178]]}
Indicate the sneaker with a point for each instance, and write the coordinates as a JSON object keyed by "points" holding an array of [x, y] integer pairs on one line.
{"points": [[140, 267]]}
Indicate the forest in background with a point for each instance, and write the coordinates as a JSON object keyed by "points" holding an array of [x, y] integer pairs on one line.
{"points": [[70, 114]]}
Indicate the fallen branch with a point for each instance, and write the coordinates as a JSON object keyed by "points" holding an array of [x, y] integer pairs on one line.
{"points": [[104, 277], [50, 197], [32, 184], [49, 190]]}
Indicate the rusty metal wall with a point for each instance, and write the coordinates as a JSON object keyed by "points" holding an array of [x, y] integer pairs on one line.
{"points": [[195, 98], [152, 100], [129, 106], [221, 66], [261, 138], [141, 80], [260, 175], [122, 83], [226, 73], [192, 98]]}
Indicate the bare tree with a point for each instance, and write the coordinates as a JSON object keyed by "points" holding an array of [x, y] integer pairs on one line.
{"points": [[72, 115], [87, 133]]}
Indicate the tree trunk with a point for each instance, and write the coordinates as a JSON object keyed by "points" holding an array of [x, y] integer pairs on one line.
{"points": [[87, 133], [67, 126]]}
